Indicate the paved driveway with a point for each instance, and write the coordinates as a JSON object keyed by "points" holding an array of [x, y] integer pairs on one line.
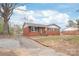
{"points": [[32, 47], [38, 49]]}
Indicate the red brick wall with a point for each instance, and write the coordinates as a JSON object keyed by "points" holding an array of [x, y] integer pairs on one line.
{"points": [[26, 32], [70, 32], [53, 33], [33, 33]]}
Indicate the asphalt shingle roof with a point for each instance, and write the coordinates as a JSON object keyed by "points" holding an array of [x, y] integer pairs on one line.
{"points": [[42, 25]]}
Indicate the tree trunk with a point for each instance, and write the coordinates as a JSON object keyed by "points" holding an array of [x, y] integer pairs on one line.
{"points": [[5, 27]]}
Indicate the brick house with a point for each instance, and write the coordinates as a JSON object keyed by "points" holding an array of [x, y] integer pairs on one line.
{"points": [[71, 31], [31, 29]]}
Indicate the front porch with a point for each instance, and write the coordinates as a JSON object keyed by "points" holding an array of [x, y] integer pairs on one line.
{"points": [[37, 30]]}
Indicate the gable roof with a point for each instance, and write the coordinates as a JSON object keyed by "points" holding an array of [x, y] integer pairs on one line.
{"points": [[36, 25], [42, 25], [53, 26]]}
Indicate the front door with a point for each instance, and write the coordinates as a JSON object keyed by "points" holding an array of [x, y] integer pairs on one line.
{"points": [[42, 31]]}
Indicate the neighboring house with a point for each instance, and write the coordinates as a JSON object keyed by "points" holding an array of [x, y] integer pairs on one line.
{"points": [[31, 29], [71, 31]]}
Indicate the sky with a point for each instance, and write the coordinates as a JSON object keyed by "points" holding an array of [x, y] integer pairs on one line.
{"points": [[46, 13]]}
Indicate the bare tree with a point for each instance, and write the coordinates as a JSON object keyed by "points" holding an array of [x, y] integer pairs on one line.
{"points": [[6, 10], [71, 23], [77, 23]]}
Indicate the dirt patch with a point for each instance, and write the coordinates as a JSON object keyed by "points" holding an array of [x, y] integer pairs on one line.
{"points": [[6, 52], [14, 52]]}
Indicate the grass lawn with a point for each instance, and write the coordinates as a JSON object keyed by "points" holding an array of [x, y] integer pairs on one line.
{"points": [[67, 44]]}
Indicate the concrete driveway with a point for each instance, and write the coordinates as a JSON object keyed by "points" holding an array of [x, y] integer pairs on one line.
{"points": [[37, 49], [33, 48]]}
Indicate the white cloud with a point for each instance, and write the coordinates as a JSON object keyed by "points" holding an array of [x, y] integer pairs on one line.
{"points": [[20, 10], [22, 7], [30, 12], [42, 16], [47, 13], [49, 16], [61, 17]]}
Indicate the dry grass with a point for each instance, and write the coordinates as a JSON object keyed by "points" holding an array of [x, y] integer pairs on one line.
{"points": [[66, 44]]}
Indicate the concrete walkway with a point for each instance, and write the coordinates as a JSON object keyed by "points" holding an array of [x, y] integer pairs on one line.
{"points": [[34, 48]]}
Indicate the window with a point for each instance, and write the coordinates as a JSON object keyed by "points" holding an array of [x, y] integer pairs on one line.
{"points": [[37, 29], [55, 29], [34, 29], [49, 29]]}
